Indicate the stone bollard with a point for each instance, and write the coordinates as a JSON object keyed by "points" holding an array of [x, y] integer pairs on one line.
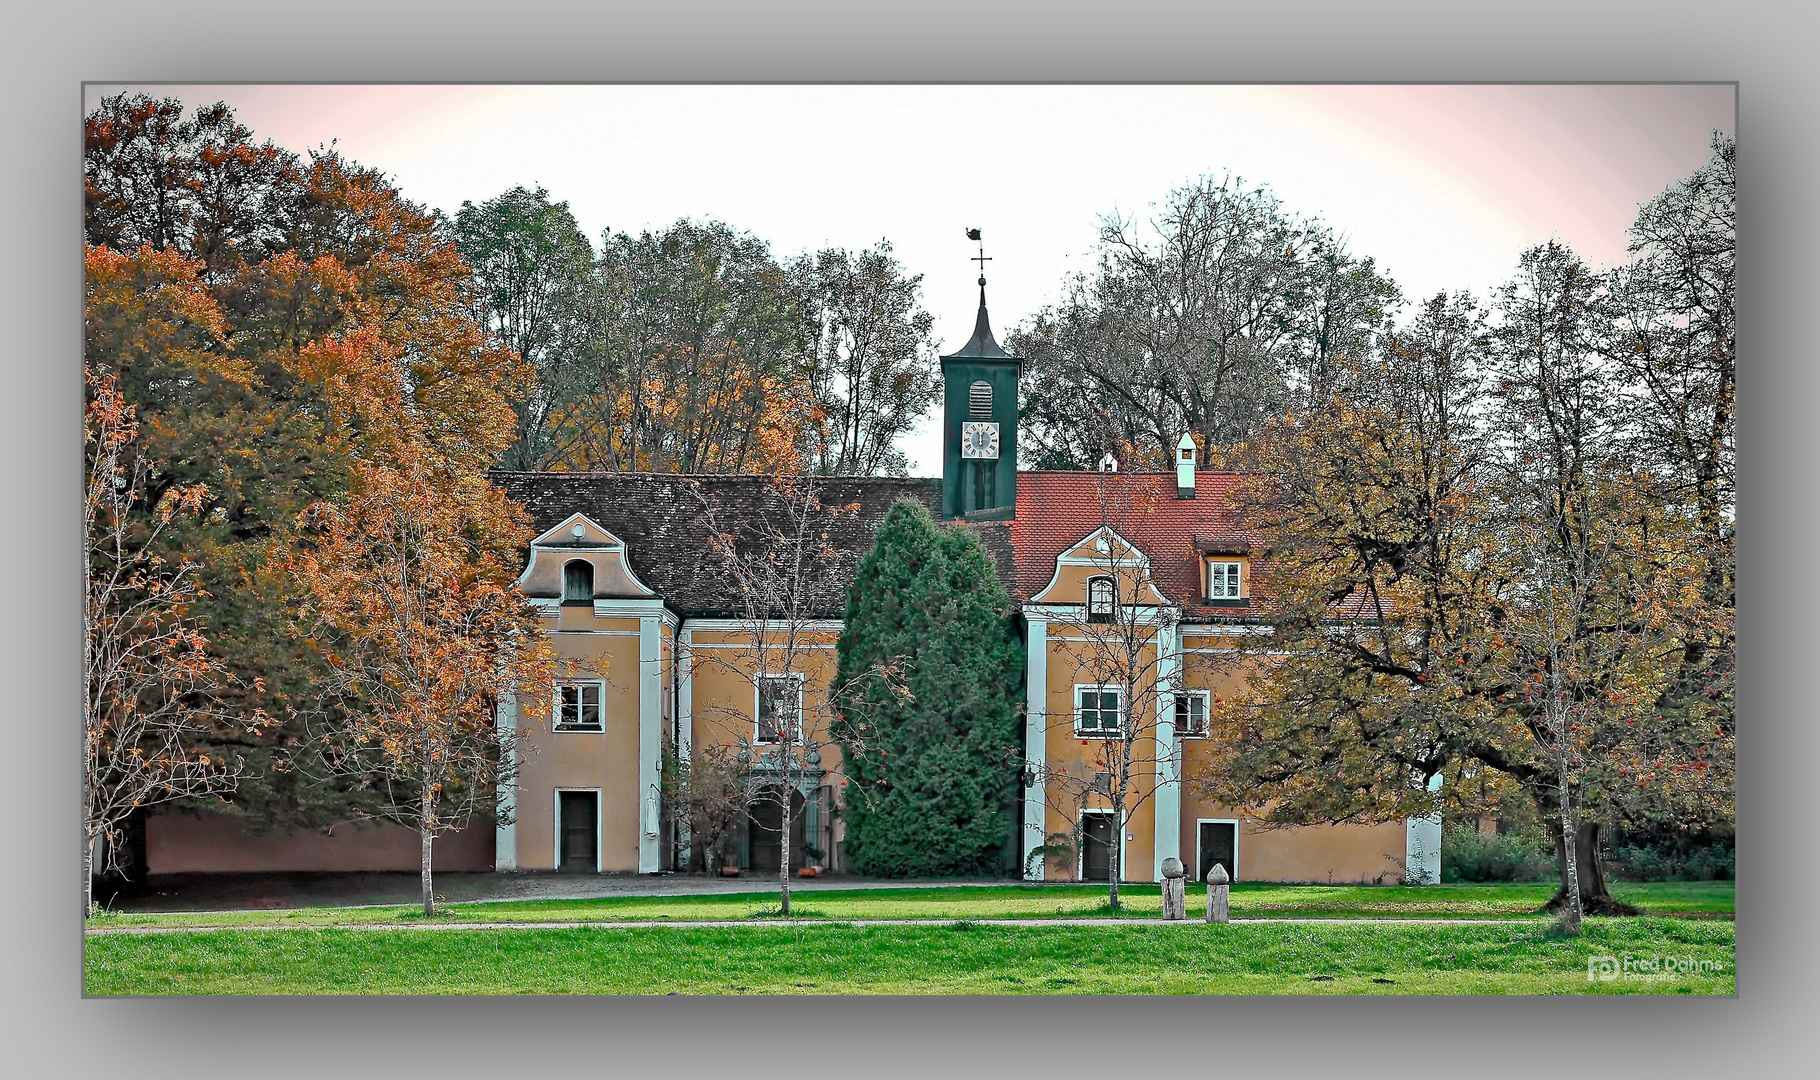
{"points": [[1216, 894], [1175, 891]]}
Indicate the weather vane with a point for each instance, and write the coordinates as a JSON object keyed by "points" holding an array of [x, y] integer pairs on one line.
{"points": [[982, 258]]}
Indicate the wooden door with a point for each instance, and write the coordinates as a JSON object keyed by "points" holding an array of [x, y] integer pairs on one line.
{"points": [[579, 817], [767, 833], [1099, 847], [1219, 843]]}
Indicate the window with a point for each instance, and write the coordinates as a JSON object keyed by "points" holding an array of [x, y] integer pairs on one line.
{"points": [[578, 706], [1099, 599], [1097, 711], [1222, 580], [780, 702], [979, 400], [1191, 715], [578, 582]]}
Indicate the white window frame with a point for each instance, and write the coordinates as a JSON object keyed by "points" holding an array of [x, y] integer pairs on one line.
{"points": [[1234, 822], [1112, 591], [556, 689], [758, 731], [600, 813], [1233, 587], [1182, 732], [1100, 732]]}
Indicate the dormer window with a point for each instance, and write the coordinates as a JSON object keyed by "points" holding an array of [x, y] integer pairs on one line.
{"points": [[1222, 580], [578, 582], [1099, 599]]}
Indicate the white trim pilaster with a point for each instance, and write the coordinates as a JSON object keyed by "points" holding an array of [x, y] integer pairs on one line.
{"points": [[685, 716], [1036, 739], [650, 738], [505, 836], [1167, 802]]}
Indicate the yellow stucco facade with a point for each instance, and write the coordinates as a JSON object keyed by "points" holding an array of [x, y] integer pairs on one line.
{"points": [[1145, 653]]}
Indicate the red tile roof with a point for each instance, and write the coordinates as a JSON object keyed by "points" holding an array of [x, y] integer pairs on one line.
{"points": [[1056, 510]]}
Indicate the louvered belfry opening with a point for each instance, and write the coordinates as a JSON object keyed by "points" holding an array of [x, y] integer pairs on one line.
{"points": [[979, 400]]}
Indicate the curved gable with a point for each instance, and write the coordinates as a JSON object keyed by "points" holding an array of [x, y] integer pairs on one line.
{"points": [[579, 537]]}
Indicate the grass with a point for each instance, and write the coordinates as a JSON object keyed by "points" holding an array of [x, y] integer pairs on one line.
{"points": [[967, 958], [1253, 901]]}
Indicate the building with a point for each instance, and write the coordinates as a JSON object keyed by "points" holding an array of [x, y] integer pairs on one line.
{"points": [[659, 657]]}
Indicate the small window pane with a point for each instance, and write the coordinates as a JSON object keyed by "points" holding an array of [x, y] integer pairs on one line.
{"points": [[578, 707], [1191, 715], [1099, 597]]}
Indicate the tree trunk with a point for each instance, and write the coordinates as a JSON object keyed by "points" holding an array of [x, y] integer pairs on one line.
{"points": [[783, 867], [1572, 904], [88, 875], [1115, 862], [1595, 898], [426, 834]]}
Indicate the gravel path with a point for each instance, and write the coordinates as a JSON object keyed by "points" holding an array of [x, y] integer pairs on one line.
{"points": [[256, 892], [794, 923]]}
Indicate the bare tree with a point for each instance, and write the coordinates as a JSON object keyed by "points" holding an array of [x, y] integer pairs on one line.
{"points": [[150, 687], [788, 578], [1216, 316], [874, 370]]}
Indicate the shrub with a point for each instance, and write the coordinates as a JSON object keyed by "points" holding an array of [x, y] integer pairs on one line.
{"points": [[1517, 855], [1675, 861]]}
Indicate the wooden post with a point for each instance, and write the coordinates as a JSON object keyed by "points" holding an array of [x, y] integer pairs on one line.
{"points": [[1175, 891], [1216, 895]]}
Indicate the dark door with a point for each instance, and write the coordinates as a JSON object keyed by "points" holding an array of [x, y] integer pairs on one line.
{"points": [[1099, 844], [767, 833], [579, 813], [1219, 844]]}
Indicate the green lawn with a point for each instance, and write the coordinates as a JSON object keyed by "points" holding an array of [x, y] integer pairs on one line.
{"points": [[966, 958], [1708, 899]]}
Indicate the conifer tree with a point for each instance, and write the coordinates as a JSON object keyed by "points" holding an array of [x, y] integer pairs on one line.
{"points": [[931, 763]]}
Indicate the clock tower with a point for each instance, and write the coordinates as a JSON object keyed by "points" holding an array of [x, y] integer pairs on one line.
{"points": [[979, 424]]}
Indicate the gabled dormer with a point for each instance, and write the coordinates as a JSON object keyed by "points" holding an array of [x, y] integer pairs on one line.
{"points": [[579, 563], [1225, 569], [1102, 566]]}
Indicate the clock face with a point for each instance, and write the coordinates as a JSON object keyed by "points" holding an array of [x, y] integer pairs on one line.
{"points": [[979, 440]]}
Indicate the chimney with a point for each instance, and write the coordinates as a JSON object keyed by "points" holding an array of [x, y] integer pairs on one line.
{"points": [[1184, 467]]}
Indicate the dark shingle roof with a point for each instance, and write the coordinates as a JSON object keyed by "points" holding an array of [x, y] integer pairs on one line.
{"points": [[663, 518]]}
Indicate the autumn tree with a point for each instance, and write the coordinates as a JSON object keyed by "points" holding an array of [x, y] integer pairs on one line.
{"points": [[1373, 509], [234, 289], [415, 604], [1671, 332], [700, 362], [931, 759], [533, 293], [873, 372], [1469, 574], [152, 684], [1221, 312]]}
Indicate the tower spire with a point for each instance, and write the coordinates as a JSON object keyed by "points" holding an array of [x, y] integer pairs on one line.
{"points": [[982, 343]]}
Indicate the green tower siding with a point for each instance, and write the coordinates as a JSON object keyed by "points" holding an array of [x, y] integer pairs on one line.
{"points": [[958, 474]]}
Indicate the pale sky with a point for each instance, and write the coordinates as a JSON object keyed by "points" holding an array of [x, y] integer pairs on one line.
{"points": [[1444, 185]]}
